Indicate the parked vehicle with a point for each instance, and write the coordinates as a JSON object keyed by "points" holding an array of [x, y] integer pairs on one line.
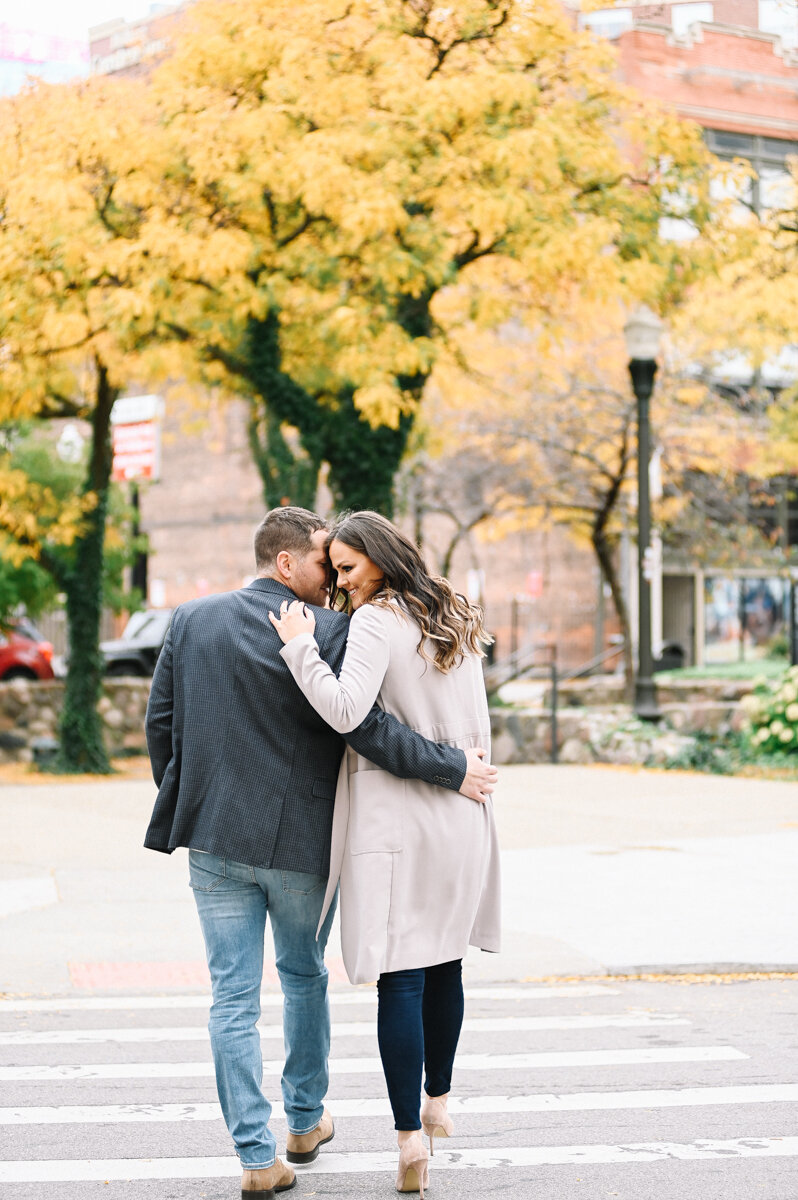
{"points": [[136, 651], [24, 654]]}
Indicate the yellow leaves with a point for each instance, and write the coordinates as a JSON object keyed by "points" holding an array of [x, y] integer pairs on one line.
{"points": [[99, 252], [373, 214], [691, 395], [749, 305], [501, 525], [62, 328], [380, 404], [359, 164], [31, 515]]}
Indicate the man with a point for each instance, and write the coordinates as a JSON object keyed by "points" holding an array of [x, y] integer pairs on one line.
{"points": [[246, 772]]}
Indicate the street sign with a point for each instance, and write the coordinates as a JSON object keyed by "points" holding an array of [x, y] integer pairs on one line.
{"points": [[136, 451], [136, 433], [131, 410]]}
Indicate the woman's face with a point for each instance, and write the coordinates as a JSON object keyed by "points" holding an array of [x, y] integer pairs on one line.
{"points": [[355, 572]]}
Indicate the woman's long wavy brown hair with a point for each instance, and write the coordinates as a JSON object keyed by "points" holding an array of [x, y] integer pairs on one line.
{"points": [[447, 619]]}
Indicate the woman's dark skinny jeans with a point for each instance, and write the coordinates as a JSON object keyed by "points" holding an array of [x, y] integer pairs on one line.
{"points": [[418, 1025]]}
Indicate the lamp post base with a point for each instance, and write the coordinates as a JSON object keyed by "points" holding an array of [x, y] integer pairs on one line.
{"points": [[646, 700]]}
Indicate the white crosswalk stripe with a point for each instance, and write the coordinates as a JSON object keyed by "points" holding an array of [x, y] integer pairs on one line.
{"points": [[105, 1170], [190, 1033], [88, 1114], [583, 1028], [545, 1059]]}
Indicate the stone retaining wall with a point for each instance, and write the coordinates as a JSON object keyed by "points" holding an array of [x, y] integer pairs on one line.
{"points": [[608, 734], [605, 733], [29, 711]]}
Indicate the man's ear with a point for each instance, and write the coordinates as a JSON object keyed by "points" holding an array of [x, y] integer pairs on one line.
{"points": [[284, 563]]}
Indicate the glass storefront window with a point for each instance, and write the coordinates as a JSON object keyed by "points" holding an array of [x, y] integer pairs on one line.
{"points": [[743, 617], [721, 620]]}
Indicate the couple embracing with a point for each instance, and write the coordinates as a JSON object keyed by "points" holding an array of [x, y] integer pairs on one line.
{"points": [[299, 750]]}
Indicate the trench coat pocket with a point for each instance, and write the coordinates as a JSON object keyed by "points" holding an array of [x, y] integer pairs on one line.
{"points": [[376, 802]]}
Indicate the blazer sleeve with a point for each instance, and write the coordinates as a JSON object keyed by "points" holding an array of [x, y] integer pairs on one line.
{"points": [[160, 711], [379, 737]]}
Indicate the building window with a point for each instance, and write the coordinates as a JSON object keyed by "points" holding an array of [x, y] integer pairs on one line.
{"points": [[772, 186], [607, 22], [745, 618], [780, 17], [685, 15]]}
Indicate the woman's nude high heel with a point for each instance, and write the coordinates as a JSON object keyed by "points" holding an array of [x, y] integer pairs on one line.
{"points": [[435, 1119], [413, 1175]]}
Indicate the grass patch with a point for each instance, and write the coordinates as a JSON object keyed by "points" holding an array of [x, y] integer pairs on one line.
{"points": [[768, 668]]}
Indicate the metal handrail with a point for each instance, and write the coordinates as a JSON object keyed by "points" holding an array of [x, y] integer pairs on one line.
{"points": [[520, 665], [524, 667], [516, 665], [598, 661]]}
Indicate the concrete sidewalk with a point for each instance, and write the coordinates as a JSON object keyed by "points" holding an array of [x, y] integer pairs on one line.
{"points": [[625, 870], [605, 870]]}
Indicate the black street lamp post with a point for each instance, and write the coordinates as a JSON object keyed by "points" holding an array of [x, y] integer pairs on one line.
{"points": [[643, 331]]}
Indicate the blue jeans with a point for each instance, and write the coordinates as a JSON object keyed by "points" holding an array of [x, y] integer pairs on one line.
{"points": [[233, 900], [419, 1019]]}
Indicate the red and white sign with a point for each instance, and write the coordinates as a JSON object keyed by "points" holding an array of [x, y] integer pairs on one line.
{"points": [[136, 431], [135, 451]]}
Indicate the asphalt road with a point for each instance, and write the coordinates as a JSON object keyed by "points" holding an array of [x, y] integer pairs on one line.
{"points": [[631, 1089], [587, 1087]]}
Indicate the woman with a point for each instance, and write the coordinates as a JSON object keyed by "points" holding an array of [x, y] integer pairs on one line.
{"points": [[418, 866]]}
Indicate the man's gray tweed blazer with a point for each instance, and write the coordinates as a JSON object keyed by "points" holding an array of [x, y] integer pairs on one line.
{"points": [[245, 768]]}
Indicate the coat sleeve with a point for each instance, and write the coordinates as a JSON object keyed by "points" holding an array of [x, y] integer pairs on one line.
{"points": [[160, 711], [343, 702], [380, 737]]}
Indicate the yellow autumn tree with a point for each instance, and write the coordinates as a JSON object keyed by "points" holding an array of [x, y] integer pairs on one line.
{"points": [[736, 333], [539, 432], [402, 169], [317, 201], [91, 277], [748, 307]]}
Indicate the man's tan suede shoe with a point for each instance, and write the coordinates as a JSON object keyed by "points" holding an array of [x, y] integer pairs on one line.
{"points": [[265, 1184], [304, 1147]]}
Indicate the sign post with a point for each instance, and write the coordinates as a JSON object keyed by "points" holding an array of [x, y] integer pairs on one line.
{"points": [[136, 432]]}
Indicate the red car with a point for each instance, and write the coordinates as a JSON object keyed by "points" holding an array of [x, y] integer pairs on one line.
{"points": [[24, 654]]}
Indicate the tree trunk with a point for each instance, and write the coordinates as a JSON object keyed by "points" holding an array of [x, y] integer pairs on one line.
{"points": [[81, 734], [286, 477], [606, 562], [603, 547], [363, 461]]}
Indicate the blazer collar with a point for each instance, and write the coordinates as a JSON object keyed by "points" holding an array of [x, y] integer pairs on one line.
{"points": [[264, 584]]}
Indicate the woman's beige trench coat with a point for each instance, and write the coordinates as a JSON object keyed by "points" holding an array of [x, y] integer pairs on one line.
{"points": [[418, 865]]}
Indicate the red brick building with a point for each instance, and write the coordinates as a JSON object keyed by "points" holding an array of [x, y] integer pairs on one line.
{"points": [[725, 73], [120, 47]]}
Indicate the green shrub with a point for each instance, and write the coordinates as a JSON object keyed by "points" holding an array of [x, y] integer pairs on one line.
{"points": [[779, 646], [705, 752], [772, 710]]}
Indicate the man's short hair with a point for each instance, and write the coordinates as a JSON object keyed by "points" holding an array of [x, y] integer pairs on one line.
{"points": [[287, 528]]}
